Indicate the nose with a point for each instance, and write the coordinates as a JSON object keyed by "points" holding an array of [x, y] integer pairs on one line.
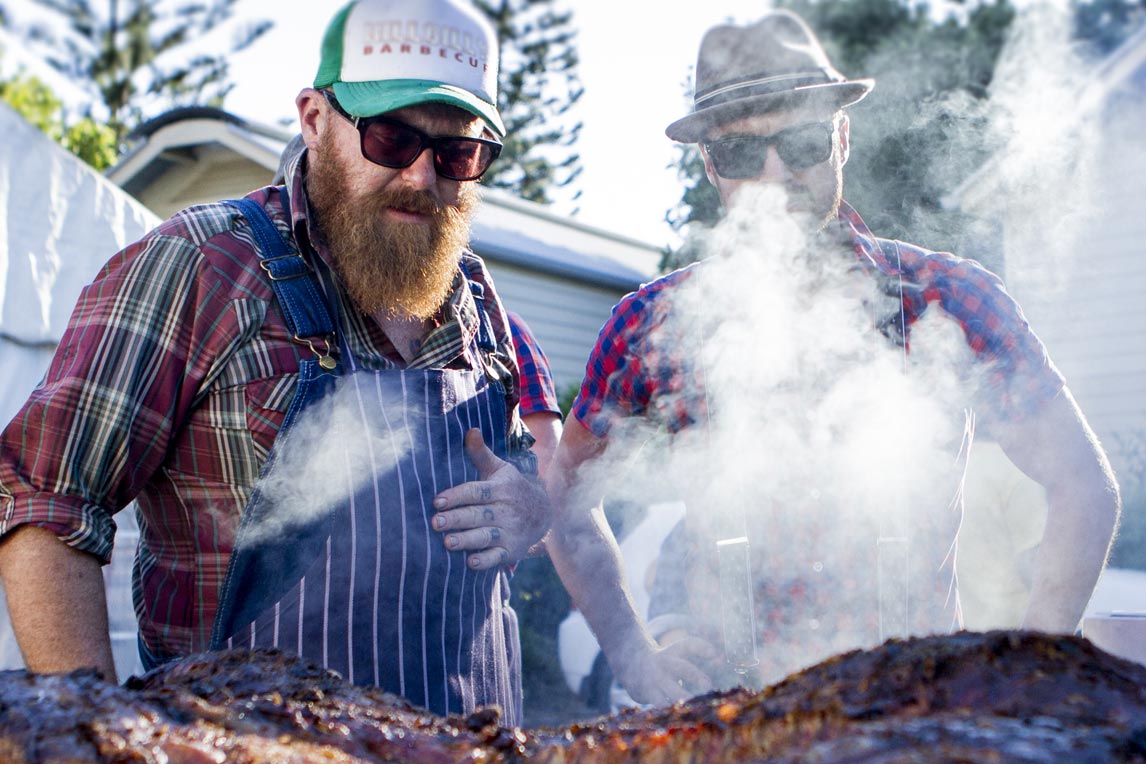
{"points": [[775, 171], [421, 174]]}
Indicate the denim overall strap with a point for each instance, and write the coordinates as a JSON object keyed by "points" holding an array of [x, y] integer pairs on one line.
{"points": [[292, 279], [301, 299], [486, 342]]}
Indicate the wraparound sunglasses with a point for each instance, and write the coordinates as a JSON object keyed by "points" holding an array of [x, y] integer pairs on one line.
{"points": [[392, 143], [740, 157]]}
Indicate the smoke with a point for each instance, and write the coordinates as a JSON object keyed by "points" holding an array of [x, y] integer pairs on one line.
{"points": [[1042, 180], [328, 453], [821, 435]]}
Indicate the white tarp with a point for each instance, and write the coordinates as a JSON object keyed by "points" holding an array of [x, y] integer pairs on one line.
{"points": [[59, 222]]}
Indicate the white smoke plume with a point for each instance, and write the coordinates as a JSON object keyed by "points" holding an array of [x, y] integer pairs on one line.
{"points": [[330, 450], [1042, 180], [822, 436]]}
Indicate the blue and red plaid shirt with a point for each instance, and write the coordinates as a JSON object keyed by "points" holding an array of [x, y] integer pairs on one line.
{"points": [[628, 375], [538, 394], [169, 387], [814, 562]]}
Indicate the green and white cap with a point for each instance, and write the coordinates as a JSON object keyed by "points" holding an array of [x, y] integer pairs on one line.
{"points": [[382, 55]]}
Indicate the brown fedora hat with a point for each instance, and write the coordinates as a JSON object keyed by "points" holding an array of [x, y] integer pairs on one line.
{"points": [[775, 63]]}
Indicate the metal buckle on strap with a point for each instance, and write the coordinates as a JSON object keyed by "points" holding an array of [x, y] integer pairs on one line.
{"points": [[265, 262], [325, 359]]}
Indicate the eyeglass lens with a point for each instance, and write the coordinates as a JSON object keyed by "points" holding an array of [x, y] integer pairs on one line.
{"points": [[799, 147], [393, 144]]}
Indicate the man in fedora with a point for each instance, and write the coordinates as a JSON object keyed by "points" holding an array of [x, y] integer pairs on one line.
{"points": [[770, 123], [310, 394]]}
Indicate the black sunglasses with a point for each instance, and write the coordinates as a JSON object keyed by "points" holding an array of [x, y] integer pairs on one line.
{"points": [[392, 143], [742, 156]]}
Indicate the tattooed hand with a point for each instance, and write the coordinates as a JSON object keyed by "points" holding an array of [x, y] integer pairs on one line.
{"points": [[500, 516]]}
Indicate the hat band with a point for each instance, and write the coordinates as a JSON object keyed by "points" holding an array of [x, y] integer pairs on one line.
{"points": [[761, 86]]}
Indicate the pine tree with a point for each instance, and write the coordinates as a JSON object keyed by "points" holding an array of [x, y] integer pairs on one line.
{"points": [[142, 57], [1105, 24], [539, 86]]}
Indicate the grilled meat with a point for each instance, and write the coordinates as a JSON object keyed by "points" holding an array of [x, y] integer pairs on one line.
{"points": [[998, 697]]}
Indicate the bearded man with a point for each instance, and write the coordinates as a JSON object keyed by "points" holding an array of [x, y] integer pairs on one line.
{"points": [[839, 377], [311, 396]]}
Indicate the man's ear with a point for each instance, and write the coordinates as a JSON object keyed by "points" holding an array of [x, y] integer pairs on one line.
{"points": [[709, 170], [313, 113], [845, 138]]}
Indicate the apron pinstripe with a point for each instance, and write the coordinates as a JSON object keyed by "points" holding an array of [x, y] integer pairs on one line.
{"points": [[365, 586]]}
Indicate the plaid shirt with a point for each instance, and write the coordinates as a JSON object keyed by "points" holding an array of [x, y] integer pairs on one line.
{"points": [[813, 588], [169, 387], [538, 393], [627, 375]]}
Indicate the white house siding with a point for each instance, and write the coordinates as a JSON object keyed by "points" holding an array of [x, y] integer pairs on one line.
{"points": [[213, 173], [564, 315], [1094, 323]]}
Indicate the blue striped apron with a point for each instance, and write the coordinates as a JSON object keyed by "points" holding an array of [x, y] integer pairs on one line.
{"points": [[362, 584]]}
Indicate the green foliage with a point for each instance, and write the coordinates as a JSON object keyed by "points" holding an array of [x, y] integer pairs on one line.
{"points": [[698, 209], [565, 397], [35, 101], [92, 142], [539, 86], [138, 59], [541, 603]]}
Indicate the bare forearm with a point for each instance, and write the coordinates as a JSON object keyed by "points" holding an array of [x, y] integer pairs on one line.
{"points": [[586, 556], [56, 602], [1071, 557], [1059, 450]]}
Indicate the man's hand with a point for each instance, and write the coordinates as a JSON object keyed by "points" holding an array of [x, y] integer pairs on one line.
{"points": [[503, 514], [664, 674]]}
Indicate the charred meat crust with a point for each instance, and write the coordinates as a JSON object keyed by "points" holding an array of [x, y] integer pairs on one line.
{"points": [[994, 697]]}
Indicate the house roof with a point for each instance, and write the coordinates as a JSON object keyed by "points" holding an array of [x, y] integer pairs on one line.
{"points": [[158, 144], [506, 229]]}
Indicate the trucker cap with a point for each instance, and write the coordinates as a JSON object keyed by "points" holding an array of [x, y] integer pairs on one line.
{"points": [[382, 55]]}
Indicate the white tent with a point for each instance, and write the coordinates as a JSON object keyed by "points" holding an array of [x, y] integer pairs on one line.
{"points": [[59, 222]]}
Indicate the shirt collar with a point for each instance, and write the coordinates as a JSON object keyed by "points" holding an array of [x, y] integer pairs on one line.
{"points": [[849, 231]]}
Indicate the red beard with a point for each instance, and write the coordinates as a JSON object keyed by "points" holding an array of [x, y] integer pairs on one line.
{"points": [[394, 268]]}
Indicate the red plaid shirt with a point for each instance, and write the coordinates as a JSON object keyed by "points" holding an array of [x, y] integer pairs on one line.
{"points": [[628, 375], [169, 387], [538, 393]]}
